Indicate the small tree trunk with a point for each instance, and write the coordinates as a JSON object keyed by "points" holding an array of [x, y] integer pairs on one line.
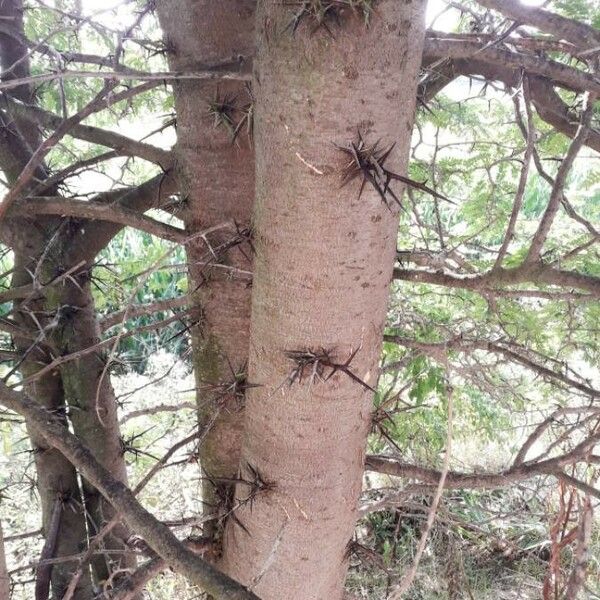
{"points": [[93, 413], [55, 474], [4, 578], [323, 265], [215, 169]]}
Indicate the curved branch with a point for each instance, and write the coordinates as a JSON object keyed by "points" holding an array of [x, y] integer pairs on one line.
{"points": [[548, 104], [579, 34], [558, 72], [560, 181], [149, 194], [458, 480], [68, 207], [488, 282], [142, 310], [95, 135], [555, 112], [439, 350]]}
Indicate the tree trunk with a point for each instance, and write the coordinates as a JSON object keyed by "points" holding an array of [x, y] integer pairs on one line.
{"points": [[215, 170], [56, 477], [323, 265], [45, 248], [92, 411], [4, 578]]}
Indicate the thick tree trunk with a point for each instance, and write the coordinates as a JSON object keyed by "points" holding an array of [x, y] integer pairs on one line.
{"points": [[216, 178], [324, 259]]}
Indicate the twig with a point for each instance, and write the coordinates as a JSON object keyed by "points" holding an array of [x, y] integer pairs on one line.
{"points": [[409, 577]]}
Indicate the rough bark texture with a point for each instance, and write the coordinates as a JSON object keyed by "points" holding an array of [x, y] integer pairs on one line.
{"points": [[216, 177], [92, 410], [324, 257]]}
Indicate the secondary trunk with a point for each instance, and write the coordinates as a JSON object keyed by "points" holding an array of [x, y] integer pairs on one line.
{"points": [[57, 481], [64, 317], [4, 578], [323, 264], [56, 477], [215, 170], [92, 411]]}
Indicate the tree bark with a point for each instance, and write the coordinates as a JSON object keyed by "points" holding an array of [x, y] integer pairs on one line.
{"points": [[55, 475], [215, 170], [323, 265], [92, 409]]}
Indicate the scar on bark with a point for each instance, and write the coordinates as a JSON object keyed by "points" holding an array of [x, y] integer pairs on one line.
{"points": [[322, 14], [319, 365], [367, 161]]}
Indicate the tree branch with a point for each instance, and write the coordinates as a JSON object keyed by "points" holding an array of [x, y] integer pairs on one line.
{"points": [[560, 181], [439, 351], [95, 135], [142, 310], [160, 77], [559, 73], [539, 274], [457, 480], [579, 34], [97, 211]]}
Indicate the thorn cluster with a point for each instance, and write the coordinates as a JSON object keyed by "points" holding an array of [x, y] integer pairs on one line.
{"points": [[224, 111], [315, 364], [368, 162], [225, 491], [323, 13], [236, 387]]}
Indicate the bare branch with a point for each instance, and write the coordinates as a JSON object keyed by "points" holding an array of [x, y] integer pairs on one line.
{"points": [[143, 310], [488, 282], [95, 135], [560, 181], [518, 201], [559, 73], [207, 75], [83, 209], [439, 351], [579, 34], [408, 578]]}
